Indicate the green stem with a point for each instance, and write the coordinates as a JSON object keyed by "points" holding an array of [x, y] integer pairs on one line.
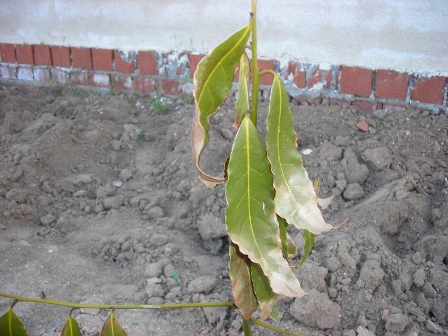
{"points": [[255, 72], [246, 328], [106, 306], [268, 326]]}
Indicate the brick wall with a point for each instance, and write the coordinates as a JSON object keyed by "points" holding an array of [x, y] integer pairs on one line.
{"points": [[147, 71]]}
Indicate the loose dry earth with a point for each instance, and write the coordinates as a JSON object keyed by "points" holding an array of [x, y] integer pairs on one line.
{"points": [[99, 203]]}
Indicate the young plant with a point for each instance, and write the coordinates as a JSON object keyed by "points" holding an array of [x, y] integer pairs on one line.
{"points": [[267, 189]]}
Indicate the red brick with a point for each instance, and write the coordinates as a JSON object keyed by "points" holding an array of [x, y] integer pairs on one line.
{"points": [[61, 56], [42, 55], [169, 86], [315, 79], [147, 63], [42, 75], [367, 106], [300, 79], [82, 58], [25, 54], [144, 84], [80, 78], [102, 59], [7, 72], [356, 81], [429, 90], [122, 65], [328, 77], [99, 80], [391, 84], [194, 61], [292, 68], [7, 53], [266, 65], [394, 108], [121, 82]]}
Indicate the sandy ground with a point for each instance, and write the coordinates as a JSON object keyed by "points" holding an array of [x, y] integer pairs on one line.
{"points": [[99, 202]]}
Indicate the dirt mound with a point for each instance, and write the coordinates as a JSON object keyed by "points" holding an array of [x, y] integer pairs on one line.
{"points": [[99, 202]]}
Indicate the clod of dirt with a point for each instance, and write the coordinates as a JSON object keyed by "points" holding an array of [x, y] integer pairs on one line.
{"points": [[316, 310]]}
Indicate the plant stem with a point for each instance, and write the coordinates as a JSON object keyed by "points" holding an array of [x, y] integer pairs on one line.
{"points": [[255, 72], [246, 328], [106, 306], [268, 326]]}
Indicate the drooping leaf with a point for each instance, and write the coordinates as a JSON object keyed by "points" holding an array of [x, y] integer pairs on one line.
{"points": [[242, 103], [213, 81], [111, 327], [295, 198], [71, 328], [242, 289], [266, 298], [250, 216], [289, 249], [309, 244], [11, 325]]}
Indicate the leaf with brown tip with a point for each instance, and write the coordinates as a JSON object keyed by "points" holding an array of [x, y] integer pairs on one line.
{"points": [[242, 289], [250, 216], [295, 198], [213, 81]]}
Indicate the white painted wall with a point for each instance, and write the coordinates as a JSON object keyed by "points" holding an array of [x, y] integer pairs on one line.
{"points": [[409, 35]]}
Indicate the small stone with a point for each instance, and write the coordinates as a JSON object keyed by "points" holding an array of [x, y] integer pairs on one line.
{"points": [[429, 290], [158, 239], [377, 159], [79, 180], [353, 192], [115, 145], [419, 277], [371, 275], [434, 328], [155, 212], [203, 284], [153, 270], [17, 195], [47, 220], [211, 227], [316, 310], [333, 264], [126, 174], [114, 202], [363, 126], [396, 322], [362, 331]]}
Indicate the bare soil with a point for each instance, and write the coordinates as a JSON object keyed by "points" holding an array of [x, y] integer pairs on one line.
{"points": [[100, 203]]}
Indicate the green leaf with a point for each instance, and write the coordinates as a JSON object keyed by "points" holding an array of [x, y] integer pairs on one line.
{"points": [[11, 325], [267, 299], [289, 249], [111, 327], [242, 290], [309, 244], [275, 314], [250, 216], [213, 81], [242, 103], [295, 197], [71, 328]]}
